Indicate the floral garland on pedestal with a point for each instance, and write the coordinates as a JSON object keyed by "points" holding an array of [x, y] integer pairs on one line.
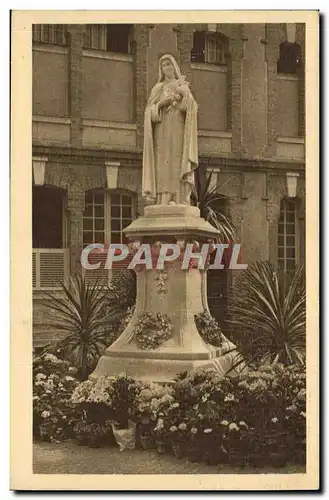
{"points": [[152, 330]]}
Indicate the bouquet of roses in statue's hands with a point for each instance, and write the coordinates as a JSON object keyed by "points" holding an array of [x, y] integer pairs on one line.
{"points": [[176, 90]]}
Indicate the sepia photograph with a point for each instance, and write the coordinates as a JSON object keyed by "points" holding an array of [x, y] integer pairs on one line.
{"points": [[166, 315]]}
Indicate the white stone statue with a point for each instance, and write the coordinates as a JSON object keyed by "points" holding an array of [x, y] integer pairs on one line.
{"points": [[170, 153]]}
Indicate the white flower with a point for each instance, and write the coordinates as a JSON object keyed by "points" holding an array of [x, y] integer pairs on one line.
{"points": [[175, 405], [35, 398], [207, 431], [303, 414], [40, 376], [229, 397], [243, 424], [51, 358], [275, 420], [194, 430], [205, 398], [233, 427], [68, 378], [45, 414], [173, 428], [182, 426], [224, 422]]}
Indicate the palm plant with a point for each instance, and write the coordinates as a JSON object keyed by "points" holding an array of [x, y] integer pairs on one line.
{"points": [[268, 315], [210, 203], [85, 314]]}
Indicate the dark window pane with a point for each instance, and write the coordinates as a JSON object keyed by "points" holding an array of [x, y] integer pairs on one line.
{"points": [[126, 212], [290, 253], [290, 241], [115, 212], [290, 205], [115, 199], [99, 224], [290, 228], [87, 224], [126, 200], [281, 228], [281, 253], [125, 223], [89, 196], [99, 237], [281, 241], [115, 238], [99, 198], [88, 211], [118, 38], [115, 225], [290, 216], [88, 237], [99, 211], [281, 264]]}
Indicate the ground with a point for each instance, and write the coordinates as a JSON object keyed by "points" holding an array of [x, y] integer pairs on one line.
{"points": [[68, 458]]}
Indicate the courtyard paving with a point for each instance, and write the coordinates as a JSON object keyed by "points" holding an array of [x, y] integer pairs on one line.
{"points": [[69, 458]]}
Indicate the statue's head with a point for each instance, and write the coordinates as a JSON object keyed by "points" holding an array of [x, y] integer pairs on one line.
{"points": [[168, 67]]}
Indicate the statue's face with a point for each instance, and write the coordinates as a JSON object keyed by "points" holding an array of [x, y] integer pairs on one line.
{"points": [[168, 68]]}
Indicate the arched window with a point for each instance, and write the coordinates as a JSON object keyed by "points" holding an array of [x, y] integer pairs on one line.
{"points": [[109, 37], [209, 47], [55, 34], [290, 58], [288, 235]]}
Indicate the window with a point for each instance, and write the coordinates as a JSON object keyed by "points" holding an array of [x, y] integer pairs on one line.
{"points": [[48, 224], [287, 235], [55, 34], [109, 37], [208, 48], [290, 58], [106, 215]]}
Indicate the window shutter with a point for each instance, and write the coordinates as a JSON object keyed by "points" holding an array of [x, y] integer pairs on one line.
{"points": [[34, 270], [198, 50], [52, 268], [290, 58], [118, 38]]}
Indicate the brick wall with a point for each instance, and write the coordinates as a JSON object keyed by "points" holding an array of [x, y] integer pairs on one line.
{"points": [[50, 88]]}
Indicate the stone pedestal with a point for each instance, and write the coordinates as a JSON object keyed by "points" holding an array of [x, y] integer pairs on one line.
{"points": [[176, 292]]}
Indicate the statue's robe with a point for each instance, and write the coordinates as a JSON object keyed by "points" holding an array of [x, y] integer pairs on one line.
{"points": [[170, 152]]}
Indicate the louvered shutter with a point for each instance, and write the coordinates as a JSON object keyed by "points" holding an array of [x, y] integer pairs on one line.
{"points": [[52, 269]]}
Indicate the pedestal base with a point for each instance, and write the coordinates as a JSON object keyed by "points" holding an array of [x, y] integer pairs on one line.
{"points": [[181, 296], [161, 369]]}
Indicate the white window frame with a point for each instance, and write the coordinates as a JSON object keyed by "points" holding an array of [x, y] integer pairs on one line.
{"points": [[39, 34], [108, 194], [212, 53], [285, 235], [98, 37]]}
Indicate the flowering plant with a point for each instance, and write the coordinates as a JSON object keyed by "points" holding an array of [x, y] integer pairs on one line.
{"points": [[152, 330], [53, 383], [209, 329], [107, 398]]}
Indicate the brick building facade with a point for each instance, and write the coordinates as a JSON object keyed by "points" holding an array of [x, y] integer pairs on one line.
{"points": [[90, 87]]}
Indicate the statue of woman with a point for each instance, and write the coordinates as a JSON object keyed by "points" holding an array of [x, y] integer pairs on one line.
{"points": [[170, 153]]}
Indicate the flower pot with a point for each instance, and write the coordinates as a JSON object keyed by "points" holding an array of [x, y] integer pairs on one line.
{"points": [[146, 441], [125, 438], [161, 447], [179, 449]]}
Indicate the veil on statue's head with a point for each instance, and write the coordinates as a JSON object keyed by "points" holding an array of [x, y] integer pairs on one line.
{"points": [[174, 63]]}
